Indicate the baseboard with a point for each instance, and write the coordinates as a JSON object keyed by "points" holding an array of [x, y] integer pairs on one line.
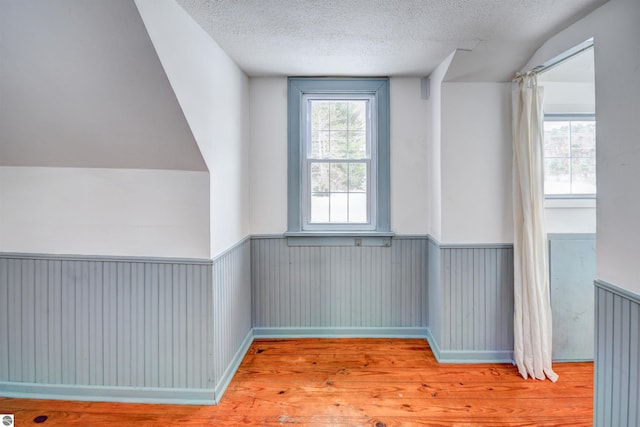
{"points": [[328, 332], [468, 356], [435, 348], [182, 396], [476, 356], [226, 378]]}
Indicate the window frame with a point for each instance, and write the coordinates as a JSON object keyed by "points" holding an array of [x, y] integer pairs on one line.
{"points": [[302, 87], [569, 117]]}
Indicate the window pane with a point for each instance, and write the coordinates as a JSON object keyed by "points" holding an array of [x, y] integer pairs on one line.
{"points": [[556, 139], [357, 145], [583, 139], [583, 176], [319, 208], [358, 207], [339, 177], [557, 177], [338, 207], [338, 145], [320, 115], [339, 115], [319, 177], [320, 144], [357, 115], [358, 177]]}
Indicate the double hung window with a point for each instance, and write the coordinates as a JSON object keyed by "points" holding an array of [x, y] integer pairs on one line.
{"points": [[570, 155], [338, 155]]}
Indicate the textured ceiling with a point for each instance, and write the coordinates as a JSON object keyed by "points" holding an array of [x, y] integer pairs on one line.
{"points": [[383, 37]]}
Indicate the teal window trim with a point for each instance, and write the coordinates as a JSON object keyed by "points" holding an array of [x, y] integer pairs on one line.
{"points": [[299, 86]]}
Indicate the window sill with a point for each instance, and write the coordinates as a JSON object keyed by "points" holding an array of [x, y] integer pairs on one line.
{"points": [[336, 238], [570, 203]]}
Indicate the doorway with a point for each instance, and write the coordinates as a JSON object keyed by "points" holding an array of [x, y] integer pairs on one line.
{"points": [[570, 201]]}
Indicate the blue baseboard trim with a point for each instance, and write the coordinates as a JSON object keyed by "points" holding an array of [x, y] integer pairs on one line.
{"points": [[468, 356], [226, 378], [435, 348], [182, 396], [475, 356], [328, 332]]}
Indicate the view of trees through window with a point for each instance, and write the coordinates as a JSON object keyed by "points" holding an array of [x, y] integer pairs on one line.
{"points": [[338, 161], [570, 157]]}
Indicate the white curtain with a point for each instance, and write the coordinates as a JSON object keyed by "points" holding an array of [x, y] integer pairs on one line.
{"points": [[532, 308]]}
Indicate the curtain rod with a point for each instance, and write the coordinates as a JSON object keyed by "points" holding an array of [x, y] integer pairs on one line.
{"points": [[565, 56]]}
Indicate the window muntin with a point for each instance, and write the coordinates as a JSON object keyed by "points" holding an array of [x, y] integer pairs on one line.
{"points": [[339, 168], [569, 155]]}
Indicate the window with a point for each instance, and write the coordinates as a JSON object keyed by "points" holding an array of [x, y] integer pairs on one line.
{"points": [[569, 155], [338, 155]]}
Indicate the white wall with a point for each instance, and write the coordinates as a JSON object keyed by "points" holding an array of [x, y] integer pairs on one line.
{"points": [[476, 163], [118, 212], [268, 159], [434, 148], [568, 216], [616, 32], [409, 155], [214, 95], [268, 155], [568, 97]]}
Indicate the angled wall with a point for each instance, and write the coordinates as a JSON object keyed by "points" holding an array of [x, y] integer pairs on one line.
{"points": [[83, 87], [214, 96]]}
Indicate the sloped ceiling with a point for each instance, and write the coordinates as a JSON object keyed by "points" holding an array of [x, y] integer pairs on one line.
{"points": [[81, 86], [384, 37]]}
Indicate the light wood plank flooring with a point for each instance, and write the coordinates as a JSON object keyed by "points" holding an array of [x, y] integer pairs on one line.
{"points": [[351, 382]]}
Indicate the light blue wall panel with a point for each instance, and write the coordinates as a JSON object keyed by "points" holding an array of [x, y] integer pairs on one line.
{"points": [[231, 306], [477, 295], [435, 292], [339, 286], [617, 356], [471, 302], [572, 265], [106, 323]]}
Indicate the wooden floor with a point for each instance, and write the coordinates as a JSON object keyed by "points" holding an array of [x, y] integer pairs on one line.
{"points": [[351, 382]]}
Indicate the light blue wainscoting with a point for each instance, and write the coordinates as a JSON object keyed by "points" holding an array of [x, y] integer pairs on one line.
{"points": [[617, 356], [471, 302], [231, 313], [89, 328], [123, 329], [339, 290], [572, 266]]}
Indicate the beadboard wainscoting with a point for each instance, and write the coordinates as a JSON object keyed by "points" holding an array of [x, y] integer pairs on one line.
{"points": [[106, 329], [617, 348], [471, 302], [123, 329], [325, 290], [231, 312], [175, 330]]}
